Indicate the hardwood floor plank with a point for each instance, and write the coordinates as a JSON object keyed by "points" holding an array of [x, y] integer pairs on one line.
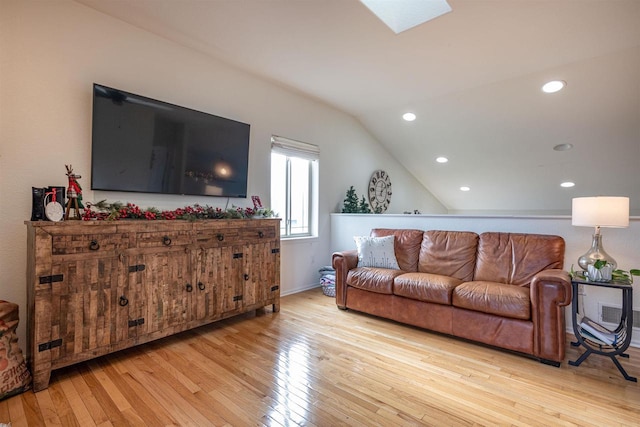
{"points": [[4, 412], [155, 381], [94, 388], [145, 405], [47, 407], [68, 403], [166, 361], [18, 417], [97, 412], [33, 411], [314, 365], [109, 387]]}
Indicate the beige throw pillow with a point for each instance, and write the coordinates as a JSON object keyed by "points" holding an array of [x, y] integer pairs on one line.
{"points": [[376, 252]]}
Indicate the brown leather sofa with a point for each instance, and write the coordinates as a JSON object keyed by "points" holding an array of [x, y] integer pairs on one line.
{"points": [[502, 289]]}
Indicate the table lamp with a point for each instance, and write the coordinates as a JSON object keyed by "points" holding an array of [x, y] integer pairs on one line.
{"points": [[599, 212]]}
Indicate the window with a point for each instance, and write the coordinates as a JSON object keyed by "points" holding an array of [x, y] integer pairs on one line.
{"points": [[294, 183]]}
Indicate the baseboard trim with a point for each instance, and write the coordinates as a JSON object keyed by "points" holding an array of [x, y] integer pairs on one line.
{"points": [[298, 290]]}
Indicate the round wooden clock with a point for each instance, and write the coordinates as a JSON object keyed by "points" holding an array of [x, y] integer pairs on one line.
{"points": [[379, 191]]}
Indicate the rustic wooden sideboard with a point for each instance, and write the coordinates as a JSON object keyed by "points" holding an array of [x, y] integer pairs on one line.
{"points": [[95, 287]]}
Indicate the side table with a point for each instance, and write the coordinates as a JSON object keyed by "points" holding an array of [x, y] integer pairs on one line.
{"points": [[623, 331]]}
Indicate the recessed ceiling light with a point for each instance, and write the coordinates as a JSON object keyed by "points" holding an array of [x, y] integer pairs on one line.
{"points": [[568, 184], [409, 117], [464, 188], [553, 86], [563, 147], [442, 160]]}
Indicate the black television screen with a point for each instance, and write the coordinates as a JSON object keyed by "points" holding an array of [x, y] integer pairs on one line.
{"points": [[144, 145]]}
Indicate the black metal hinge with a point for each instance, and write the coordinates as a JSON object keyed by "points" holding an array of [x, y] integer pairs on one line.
{"points": [[134, 268], [237, 298], [136, 322], [275, 251], [275, 288], [51, 279], [238, 255], [49, 345]]}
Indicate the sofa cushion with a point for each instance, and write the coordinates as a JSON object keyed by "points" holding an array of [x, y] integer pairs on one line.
{"points": [[376, 252], [407, 245], [494, 298], [449, 253], [516, 258], [425, 287], [378, 280]]}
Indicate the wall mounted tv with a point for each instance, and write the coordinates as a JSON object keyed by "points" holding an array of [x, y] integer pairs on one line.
{"points": [[144, 145]]}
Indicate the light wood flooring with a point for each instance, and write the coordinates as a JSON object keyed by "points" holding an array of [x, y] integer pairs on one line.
{"points": [[312, 364]]}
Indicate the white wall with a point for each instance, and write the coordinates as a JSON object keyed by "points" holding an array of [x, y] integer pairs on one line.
{"points": [[623, 244], [51, 52]]}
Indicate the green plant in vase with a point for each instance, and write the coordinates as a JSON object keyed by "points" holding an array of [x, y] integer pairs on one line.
{"points": [[601, 271], [625, 276]]}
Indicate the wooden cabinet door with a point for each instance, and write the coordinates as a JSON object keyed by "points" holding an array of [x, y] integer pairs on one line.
{"points": [[82, 305], [230, 285], [206, 301], [159, 285], [256, 274]]}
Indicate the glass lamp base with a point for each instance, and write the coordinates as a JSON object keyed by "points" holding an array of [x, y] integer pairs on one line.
{"points": [[596, 253]]}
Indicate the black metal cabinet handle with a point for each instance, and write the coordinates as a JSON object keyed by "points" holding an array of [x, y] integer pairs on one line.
{"points": [[201, 286], [220, 237], [166, 240], [189, 287], [246, 277], [94, 245], [260, 234], [123, 301]]}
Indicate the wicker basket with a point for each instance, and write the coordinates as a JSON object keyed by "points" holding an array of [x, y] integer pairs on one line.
{"points": [[329, 290]]}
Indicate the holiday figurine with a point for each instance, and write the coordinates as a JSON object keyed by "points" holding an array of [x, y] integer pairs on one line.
{"points": [[74, 194]]}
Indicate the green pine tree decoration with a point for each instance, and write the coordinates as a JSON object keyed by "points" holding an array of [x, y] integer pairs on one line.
{"points": [[364, 206], [351, 202]]}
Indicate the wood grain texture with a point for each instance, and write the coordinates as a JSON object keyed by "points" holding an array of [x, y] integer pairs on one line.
{"points": [[314, 365], [99, 287]]}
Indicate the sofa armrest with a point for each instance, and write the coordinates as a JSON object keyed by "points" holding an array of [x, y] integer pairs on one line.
{"points": [[342, 262], [550, 293]]}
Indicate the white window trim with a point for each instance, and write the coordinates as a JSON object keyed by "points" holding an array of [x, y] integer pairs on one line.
{"points": [[292, 148]]}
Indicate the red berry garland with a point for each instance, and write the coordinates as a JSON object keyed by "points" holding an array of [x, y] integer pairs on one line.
{"points": [[115, 211]]}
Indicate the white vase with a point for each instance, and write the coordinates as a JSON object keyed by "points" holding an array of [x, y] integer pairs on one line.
{"points": [[602, 274]]}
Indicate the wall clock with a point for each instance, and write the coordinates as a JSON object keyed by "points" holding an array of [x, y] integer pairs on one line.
{"points": [[379, 191]]}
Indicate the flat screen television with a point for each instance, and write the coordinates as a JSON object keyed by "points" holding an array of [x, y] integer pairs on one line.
{"points": [[141, 144]]}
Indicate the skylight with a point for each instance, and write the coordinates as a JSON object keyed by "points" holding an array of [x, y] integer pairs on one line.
{"points": [[400, 15]]}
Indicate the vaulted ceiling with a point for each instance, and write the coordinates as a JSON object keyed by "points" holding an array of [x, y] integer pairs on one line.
{"points": [[472, 77]]}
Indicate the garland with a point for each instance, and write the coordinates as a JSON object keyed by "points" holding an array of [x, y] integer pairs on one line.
{"points": [[103, 211]]}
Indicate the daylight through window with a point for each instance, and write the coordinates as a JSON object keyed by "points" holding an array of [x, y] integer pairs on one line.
{"points": [[294, 170]]}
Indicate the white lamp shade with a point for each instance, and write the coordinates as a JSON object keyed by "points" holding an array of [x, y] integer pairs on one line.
{"points": [[600, 212]]}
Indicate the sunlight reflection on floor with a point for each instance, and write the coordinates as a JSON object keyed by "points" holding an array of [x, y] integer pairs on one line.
{"points": [[292, 392]]}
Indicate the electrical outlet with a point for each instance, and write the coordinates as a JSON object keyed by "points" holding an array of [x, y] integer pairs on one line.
{"points": [[582, 290]]}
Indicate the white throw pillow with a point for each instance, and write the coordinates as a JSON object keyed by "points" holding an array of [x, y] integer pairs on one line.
{"points": [[376, 252]]}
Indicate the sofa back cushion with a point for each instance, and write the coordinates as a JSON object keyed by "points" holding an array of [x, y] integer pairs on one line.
{"points": [[407, 245], [449, 253], [515, 258]]}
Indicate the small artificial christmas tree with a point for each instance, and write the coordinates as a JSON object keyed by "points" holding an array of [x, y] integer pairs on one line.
{"points": [[351, 202], [364, 206]]}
